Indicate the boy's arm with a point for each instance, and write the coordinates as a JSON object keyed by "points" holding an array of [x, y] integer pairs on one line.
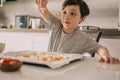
{"points": [[42, 7]]}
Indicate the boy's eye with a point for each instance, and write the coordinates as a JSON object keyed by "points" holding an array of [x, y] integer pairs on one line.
{"points": [[73, 14], [70, 13], [64, 12]]}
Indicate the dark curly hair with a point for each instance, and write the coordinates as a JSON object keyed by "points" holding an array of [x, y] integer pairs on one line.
{"points": [[84, 9]]}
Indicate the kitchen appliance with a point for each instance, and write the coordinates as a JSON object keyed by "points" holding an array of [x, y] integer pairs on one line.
{"points": [[22, 21]]}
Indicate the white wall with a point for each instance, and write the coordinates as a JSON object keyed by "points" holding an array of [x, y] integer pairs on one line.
{"points": [[113, 46], [103, 13], [119, 14], [25, 7]]}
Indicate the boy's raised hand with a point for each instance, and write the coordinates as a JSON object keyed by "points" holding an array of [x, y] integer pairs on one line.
{"points": [[41, 3], [42, 7]]}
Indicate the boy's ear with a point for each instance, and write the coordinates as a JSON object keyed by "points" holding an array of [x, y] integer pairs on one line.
{"points": [[82, 19]]}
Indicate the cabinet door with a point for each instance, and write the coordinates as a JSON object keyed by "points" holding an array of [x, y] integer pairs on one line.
{"points": [[16, 42], [40, 42]]}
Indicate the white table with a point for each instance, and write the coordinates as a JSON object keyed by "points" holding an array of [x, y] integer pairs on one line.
{"points": [[87, 69]]}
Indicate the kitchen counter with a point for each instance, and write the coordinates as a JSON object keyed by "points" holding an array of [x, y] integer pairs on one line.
{"points": [[25, 30], [106, 33], [87, 69]]}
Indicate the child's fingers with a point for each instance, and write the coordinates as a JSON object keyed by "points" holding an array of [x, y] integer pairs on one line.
{"points": [[37, 1], [101, 59]]}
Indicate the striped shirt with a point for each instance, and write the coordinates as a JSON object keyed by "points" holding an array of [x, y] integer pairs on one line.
{"points": [[75, 42]]}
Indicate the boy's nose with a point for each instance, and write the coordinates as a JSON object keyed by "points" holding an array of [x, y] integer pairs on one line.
{"points": [[67, 16]]}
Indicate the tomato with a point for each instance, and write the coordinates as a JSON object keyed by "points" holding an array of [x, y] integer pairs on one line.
{"points": [[8, 64], [8, 61], [5, 60]]}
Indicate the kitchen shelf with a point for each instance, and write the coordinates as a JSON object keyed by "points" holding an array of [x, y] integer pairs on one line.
{"points": [[106, 32]]}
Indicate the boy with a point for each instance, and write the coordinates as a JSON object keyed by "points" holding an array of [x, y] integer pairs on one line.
{"points": [[66, 36]]}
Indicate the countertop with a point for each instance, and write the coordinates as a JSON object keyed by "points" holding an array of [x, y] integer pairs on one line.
{"points": [[86, 69], [106, 33], [25, 30]]}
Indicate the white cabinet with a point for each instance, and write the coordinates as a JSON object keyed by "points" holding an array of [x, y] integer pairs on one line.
{"points": [[20, 41], [40, 42], [24, 41], [16, 42]]}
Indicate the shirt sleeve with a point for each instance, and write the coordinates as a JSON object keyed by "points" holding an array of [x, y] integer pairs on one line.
{"points": [[53, 22]]}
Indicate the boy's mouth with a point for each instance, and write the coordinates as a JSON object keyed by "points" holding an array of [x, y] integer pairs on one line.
{"points": [[67, 22]]}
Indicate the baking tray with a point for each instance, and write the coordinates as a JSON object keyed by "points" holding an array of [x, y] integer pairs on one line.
{"points": [[69, 57]]}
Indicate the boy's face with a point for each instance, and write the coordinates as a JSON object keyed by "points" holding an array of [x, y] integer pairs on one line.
{"points": [[71, 17]]}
